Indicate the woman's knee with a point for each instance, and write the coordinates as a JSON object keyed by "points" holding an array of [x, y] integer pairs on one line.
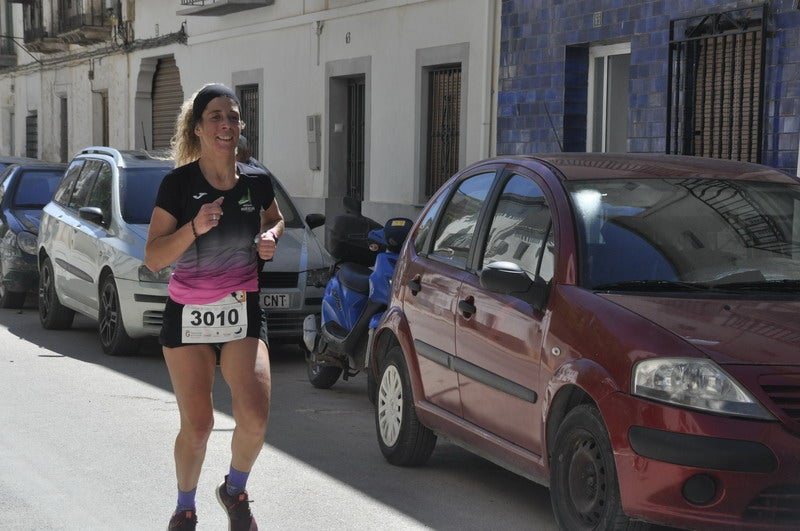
{"points": [[253, 416], [197, 428]]}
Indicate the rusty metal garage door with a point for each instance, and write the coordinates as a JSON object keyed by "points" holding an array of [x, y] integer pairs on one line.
{"points": [[167, 101]]}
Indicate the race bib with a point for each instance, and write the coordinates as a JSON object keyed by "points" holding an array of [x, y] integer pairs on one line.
{"points": [[215, 322]]}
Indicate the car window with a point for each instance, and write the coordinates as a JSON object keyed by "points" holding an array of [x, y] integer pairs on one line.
{"points": [[453, 239], [84, 183], [64, 190], [36, 187], [426, 224], [521, 228], [138, 188], [100, 196]]}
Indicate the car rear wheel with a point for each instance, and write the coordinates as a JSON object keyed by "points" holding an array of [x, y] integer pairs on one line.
{"points": [[10, 299], [320, 375], [404, 441], [583, 478], [113, 337], [52, 314]]}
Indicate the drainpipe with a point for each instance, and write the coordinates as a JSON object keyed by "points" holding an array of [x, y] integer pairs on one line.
{"points": [[494, 9]]}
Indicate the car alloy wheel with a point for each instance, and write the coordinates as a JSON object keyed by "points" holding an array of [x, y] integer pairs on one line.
{"points": [[113, 338], [52, 315], [10, 299]]}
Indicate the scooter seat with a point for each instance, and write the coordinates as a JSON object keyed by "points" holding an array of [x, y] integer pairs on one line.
{"points": [[355, 277]]}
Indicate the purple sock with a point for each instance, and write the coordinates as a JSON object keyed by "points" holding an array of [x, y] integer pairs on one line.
{"points": [[236, 481], [186, 500]]}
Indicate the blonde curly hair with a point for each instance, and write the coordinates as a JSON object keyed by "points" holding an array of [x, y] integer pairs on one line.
{"points": [[185, 145]]}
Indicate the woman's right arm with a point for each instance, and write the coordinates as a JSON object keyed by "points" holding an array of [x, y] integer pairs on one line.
{"points": [[166, 242]]}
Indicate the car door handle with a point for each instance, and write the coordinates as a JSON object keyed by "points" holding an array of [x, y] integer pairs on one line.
{"points": [[467, 306], [415, 284]]}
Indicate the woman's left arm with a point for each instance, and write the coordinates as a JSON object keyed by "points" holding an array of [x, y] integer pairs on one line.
{"points": [[271, 230]]}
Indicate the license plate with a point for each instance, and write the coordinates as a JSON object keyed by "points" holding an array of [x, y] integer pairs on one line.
{"points": [[275, 300]]}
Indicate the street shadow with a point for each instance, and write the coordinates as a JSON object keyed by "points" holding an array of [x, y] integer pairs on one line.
{"points": [[331, 430]]}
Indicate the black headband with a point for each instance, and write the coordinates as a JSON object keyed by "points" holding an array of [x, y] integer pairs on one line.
{"points": [[208, 93]]}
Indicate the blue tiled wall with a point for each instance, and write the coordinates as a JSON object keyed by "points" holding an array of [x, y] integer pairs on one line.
{"points": [[542, 98]]}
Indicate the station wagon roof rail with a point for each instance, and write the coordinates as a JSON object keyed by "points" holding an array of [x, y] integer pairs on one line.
{"points": [[124, 157]]}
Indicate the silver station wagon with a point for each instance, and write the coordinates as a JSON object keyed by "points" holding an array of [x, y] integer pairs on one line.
{"points": [[91, 250]]}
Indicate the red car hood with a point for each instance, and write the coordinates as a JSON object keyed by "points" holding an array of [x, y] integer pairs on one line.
{"points": [[728, 331]]}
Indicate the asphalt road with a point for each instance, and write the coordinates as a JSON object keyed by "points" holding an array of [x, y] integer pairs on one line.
{"points": [[86, 443]]}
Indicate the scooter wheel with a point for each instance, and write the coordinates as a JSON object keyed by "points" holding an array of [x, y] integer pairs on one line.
{"points": [[321, 376]]}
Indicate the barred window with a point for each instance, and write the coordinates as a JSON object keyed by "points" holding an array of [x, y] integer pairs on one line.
{"points": [[716, 78], [444, 86], [248, 98]]}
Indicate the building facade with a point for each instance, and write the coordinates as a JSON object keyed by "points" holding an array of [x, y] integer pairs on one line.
{"points": [[375, 99], [699, 77]]}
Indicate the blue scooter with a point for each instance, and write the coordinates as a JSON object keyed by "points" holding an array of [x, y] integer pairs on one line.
{"points": [[355, 297]]}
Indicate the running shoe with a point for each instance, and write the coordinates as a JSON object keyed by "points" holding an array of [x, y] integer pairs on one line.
{"points": [[183, 521], [238, 509]]}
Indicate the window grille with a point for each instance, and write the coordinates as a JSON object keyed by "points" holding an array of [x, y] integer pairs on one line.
{"points": [[716, 79], [248, 98], [64, 115], [355, 137], [444, 93], [32, 135]]}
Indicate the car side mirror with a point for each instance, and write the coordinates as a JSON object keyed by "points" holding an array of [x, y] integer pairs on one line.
{"points": [[510, 279], [315, 220], [93, 214]]}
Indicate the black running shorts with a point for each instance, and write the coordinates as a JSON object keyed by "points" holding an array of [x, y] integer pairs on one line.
{"points": [[170, 336]]}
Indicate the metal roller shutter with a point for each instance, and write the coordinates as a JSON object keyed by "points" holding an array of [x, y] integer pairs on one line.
{"points": [[167, 101]]}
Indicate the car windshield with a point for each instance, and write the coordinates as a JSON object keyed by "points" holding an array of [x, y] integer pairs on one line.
{"points": [[138, 189], [291, 216], [36, 187], [668, 234]]}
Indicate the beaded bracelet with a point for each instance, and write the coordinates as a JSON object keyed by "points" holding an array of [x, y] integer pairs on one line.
{"points": [[194, 231]]}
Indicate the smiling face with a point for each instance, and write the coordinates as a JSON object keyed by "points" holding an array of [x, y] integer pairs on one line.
{"points": [[220, 126]]}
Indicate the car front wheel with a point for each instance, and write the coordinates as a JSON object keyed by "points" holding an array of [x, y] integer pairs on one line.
{"points": [[404, 441], [583, 478], [52, 314], [10, 299], [113, 338]]}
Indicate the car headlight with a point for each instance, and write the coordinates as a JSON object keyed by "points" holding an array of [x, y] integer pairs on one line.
{"points": [[162, 275], [27, 242], [697, 384], [318, 277]]}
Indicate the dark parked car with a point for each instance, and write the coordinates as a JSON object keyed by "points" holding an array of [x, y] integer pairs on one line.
{"points": [[622, 328], [7, 161], [24, 190]]}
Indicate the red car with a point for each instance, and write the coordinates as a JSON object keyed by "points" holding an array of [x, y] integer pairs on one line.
{"points": [[622, 328]]}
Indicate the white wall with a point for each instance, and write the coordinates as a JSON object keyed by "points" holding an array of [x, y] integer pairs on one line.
{"points": [[280, 42]]}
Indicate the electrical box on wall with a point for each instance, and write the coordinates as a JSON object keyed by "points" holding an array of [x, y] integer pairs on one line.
{"points": [[313, 123]]}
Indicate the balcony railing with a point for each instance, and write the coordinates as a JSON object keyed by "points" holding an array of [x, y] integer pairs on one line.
{"points": [[84, 21], [39, 40], [216, 8]]}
